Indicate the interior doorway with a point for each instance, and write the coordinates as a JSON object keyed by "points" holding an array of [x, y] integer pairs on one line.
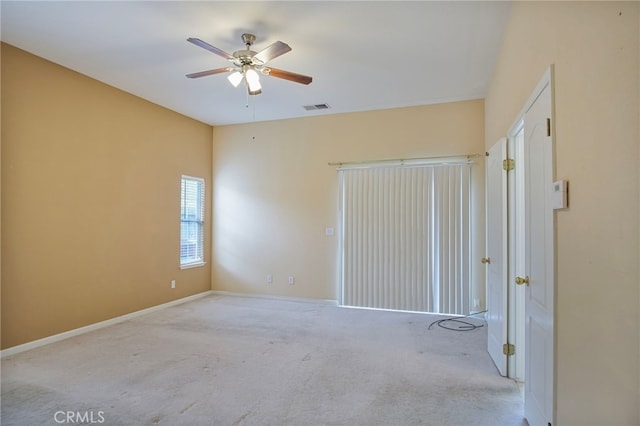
{"points": [[520, 293]]}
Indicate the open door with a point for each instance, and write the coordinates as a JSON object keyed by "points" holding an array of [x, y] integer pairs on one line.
{"points": [[537, 276], [496, 254]]}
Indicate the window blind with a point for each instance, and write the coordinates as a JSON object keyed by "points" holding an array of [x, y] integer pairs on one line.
{"points": [[191, 221]]}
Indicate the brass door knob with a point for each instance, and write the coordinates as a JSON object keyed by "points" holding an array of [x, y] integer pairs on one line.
{"points": [[485, 260], [520, 280]]}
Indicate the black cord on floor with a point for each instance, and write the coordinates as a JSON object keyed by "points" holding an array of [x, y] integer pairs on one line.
{"points": [[460, 324]]}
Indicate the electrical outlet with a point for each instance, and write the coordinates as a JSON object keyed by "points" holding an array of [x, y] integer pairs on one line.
{"points": [[269, 279], [476, 303], [292, 280], [173, 283]]}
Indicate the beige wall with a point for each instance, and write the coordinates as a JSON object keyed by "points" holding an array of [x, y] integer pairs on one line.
{"points": [[274, 193], [595, 48], [90, 199]]}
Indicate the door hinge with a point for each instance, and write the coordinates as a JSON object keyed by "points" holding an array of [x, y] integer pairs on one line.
{"points": [[548, 127], [509, 164], [508, 349]]}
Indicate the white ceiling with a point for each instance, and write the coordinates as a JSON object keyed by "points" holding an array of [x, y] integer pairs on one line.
{"points": [[361, 55]]}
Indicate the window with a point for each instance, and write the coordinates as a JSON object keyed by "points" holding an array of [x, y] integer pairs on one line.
{"points": [[191, 222]]}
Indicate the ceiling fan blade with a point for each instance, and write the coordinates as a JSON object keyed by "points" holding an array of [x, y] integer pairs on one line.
{"points": [[210, 48], [291, 76], [209, 72], [272, 51]]}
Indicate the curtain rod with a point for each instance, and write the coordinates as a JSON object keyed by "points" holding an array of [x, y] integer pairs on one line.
{"points": [[403, 160]]}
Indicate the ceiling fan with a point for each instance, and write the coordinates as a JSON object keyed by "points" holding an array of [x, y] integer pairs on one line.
{"points": [[248, 65]]}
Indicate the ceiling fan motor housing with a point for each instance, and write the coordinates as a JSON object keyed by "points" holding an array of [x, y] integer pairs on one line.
{"points": [[245, 57]]}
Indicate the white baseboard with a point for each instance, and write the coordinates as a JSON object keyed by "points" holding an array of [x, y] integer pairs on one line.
{"points": [[71, 333], [268, 296]]}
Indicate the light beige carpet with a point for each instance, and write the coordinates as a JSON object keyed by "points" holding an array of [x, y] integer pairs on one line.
{"points": [[225, 360]]}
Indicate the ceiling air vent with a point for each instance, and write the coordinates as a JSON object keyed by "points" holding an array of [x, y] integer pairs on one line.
{"points": [[315, 107]]}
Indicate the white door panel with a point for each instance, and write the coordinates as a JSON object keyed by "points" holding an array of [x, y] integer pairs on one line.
{"points": [[536, 384], [496, 276]]}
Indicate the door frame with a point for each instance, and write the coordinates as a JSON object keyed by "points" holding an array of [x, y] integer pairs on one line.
{"points": [[515, 223]]}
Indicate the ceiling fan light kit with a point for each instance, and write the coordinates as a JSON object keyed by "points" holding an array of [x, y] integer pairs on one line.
{"points": [[253, 81], [235, 78], [248, 65]]}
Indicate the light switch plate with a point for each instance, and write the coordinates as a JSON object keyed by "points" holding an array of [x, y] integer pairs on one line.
{"points": [[560, 195]]}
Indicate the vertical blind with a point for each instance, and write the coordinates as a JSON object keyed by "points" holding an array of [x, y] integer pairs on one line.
{"points": [[405, 238]]}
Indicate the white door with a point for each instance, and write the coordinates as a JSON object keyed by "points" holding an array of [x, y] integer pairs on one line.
{"points": [[537, 278], [496, 254]]}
